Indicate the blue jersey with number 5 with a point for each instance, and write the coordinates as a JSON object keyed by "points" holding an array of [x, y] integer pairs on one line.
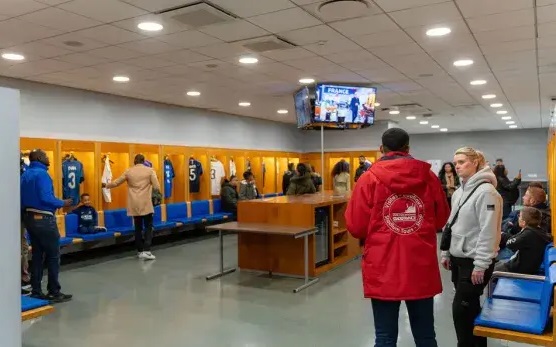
{"points": [[72, 176], [195, 172]]}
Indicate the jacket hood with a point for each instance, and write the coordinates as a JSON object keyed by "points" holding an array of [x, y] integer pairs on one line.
{"points": [[402, 173], [483, 175], [307, 176], [541, 233], [227, 184]]}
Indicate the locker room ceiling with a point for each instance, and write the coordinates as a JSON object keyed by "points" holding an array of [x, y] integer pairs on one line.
{"points": [[85, 43]]}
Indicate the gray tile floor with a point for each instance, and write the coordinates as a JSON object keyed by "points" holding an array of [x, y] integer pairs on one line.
{"points": [[168, 303]]}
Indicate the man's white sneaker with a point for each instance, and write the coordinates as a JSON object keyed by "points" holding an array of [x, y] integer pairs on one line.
{"points": [[140, 255], [148, 256]]}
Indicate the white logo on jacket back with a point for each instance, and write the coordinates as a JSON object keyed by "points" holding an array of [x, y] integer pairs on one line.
{"points": [[403, 213]]}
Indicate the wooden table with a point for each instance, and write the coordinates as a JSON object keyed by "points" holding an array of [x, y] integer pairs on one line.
{"points": [[265, 229]]}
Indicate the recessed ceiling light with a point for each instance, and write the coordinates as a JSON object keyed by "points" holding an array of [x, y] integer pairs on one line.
{"points": [[510, 122], [513, 126], [248, 60], [150, 26], [477, 82], [282, 111], [244, 104], [411, 117], [496, 105], [120, 79], [394, 112], [506, 118], [463, 62], [502, 112], [438, 31], [13, 56], [489, 96], [435, 126], [377, 104], [423, 122], [444, 129], [306, 80], [193, 93]]}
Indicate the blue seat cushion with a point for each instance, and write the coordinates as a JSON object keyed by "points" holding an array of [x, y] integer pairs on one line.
{"points": [[511, 315], [518, 289], [220, 216], [72, 225], [164, 225], [176, 211], [98, 236], [200, 208], [65, 241], [28, 303]]}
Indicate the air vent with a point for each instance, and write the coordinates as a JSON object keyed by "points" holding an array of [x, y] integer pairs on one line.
{"points": [[267, 43], [413, 108], [198, 15]]}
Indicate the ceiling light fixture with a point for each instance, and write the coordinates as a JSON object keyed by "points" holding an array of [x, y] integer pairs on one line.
{"points": [[438, 31], [510, 122], [244, 104], [410, 117], [424, 122], [120, 79], [248, 60], [513, 126], [306, 81], [463, 62], [394, 112], [496, 105], [502, 112], [193, 93], [435, 126], [377, 104], [506, 118], [444, 130], [282, 111], [150, 26], [13, 56], [477, 82], [489, 96]]}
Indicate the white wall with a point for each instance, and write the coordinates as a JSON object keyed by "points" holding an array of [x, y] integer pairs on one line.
{"points": [[49, 111]]}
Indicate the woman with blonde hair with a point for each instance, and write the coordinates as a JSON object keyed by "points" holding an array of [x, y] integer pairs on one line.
{"points": [[470, 240]]}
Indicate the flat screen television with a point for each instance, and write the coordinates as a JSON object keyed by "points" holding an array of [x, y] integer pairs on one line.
{"points": [[303, 109], [343, 104]]}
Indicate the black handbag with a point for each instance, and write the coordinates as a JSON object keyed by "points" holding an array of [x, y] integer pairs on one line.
{"points": [[446, 239]]}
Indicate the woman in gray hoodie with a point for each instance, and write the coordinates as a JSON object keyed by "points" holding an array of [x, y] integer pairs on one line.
{"points": [[474, 241]]}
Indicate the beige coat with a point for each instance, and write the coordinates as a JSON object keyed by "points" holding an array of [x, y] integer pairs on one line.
{"points": [[140, 183], [342, 183]]}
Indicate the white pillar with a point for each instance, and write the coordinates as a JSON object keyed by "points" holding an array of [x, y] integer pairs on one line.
{"points": [[10, 246]]}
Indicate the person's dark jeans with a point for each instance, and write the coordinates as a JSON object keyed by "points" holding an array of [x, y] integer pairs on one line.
{"points": [[143, 223], [45, 241], [421, 319], [466, 305]]}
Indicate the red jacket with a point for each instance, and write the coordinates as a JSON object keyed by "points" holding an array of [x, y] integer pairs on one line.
{"points": [[397, 207]]}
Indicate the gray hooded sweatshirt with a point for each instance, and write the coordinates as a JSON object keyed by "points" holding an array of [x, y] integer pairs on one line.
{"points": [[476, 233]]}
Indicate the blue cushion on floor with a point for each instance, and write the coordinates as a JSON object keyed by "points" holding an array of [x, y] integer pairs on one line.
{"points": [[65, 241], [97, 236], [28, 303], [176, 212], [518, 289], [512, 315]]}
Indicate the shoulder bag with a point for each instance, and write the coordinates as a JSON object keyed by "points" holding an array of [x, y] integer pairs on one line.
{"points": [[446, 239]]}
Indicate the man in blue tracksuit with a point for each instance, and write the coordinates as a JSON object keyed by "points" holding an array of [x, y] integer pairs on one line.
{"points": [[38, 206]]}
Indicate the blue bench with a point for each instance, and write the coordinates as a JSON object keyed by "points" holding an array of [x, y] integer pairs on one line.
{"points": [[72, 230], [32, 308], [200, 211], [218, 214], [117, 221], [177, 212], [272, 195], [158, 224], [28, 303]]}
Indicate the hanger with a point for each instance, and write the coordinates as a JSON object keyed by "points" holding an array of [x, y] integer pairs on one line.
{"points": [[213, 158], [107, 155], [166, 157]]}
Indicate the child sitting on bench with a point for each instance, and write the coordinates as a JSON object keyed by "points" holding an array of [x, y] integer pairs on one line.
{"points": [[87, 216], [529, 244]]}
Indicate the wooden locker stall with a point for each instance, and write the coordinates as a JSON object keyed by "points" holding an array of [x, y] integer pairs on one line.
{"points": [[269, 174], [253, 163], [236, 158], [332, 160], [152, 153], [200, 155], [52, 149], [176, 155], [119, 157], [218, 155], [85, 153]]}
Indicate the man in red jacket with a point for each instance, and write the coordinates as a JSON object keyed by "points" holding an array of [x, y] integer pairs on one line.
{"points": [[397, 207]]}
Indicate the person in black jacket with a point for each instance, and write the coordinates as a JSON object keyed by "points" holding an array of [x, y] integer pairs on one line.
{"points": [[450, 180], [529, 244], [287, 177], [229, 195], [87, 216], [509, 190]]}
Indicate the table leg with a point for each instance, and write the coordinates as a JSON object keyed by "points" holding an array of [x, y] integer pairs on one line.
{"points": [[222, 271], [308, 282]]}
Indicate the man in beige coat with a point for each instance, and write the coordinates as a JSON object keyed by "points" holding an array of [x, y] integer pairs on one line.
{"points": [[140, 183]]}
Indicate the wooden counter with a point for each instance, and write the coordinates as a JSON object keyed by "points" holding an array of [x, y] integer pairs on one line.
{"points": [[279, 254]]}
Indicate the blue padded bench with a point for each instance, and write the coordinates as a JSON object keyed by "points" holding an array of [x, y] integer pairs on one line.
{"points": [[66, 241], [200, 211], [270, 195], [117, 221], [218, 214], [520, 316], [72, 226], [177, 212], [28, 303], [158, 224]]}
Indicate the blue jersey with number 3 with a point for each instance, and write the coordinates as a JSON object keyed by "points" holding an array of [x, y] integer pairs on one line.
{"points": [[72, 176], [168, 178]]}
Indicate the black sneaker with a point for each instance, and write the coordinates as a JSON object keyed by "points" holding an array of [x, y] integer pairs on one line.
{"points": [[58, 298], [40, 296]]}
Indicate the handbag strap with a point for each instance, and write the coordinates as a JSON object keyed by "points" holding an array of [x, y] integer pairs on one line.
{"points": [[466, 199]]}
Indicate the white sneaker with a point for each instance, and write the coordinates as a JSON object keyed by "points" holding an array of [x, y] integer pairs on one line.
{"points": [[148, 256], [140, 255]]}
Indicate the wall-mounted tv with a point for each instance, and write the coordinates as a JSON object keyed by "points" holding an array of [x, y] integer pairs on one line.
{"points": [[303, 109], [343, 104]]}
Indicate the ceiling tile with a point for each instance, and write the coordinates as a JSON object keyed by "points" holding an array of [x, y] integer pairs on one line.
{"points": [[363, 26], [149, 46], [310, 35], [149, 62], [285, 20], [250, 8], [110, 34], [114, 53], [504, 35], [304, 2], [349, 56], [389, 38], [478, 8], [103, 10], [87, 43], [546, 42], [332, 46], [427, 15], [373, 64], [56, 18], [159, 5], [347, 77], [382, 75], [15, 31], [502, 20], [396, 51], [234, 31], [343, 12], [396, 5], [509, 47], [38, 50], [182, 57], [222, 50], [189, 39], [288, 54], [116, 68], [12, 8], [547, 29], [36, 68], [52, 2], [545, 2], [82, 59], [546, 14]]}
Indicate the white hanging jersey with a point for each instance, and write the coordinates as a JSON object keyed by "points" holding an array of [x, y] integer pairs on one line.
{"points": [[107, 178], [232, 167], [216, 174]]}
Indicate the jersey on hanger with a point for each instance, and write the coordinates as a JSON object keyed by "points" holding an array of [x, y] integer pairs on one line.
{"points": [[195, 172], [216, 174], [264, 172], [106, 178], [168, 178], [233, 170], [72, 176], [248, 164]]}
